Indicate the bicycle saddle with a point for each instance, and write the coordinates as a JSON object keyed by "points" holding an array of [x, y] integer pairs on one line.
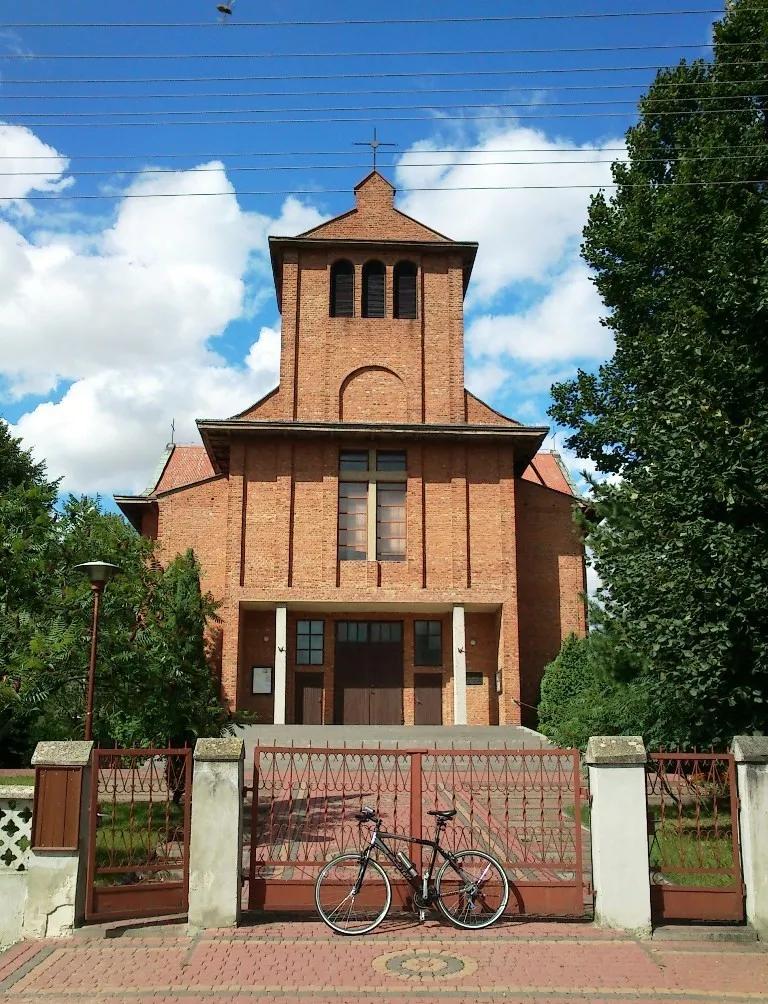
{"points": [[367, 814], [443, 813]]}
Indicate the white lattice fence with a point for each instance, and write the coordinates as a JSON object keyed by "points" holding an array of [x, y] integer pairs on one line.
{"points": [[15, 826]]}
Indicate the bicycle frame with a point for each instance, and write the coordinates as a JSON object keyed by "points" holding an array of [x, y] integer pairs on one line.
{"points": [[416, 883]]}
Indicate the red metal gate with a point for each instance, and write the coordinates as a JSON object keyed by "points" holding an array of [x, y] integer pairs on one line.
{"points": [[524, 806], [138, 861], [694, 837]]}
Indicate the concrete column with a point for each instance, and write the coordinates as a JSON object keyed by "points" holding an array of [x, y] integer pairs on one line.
{"points": [[459, 667], [56, 879], [216, 840], [620, 870], [751, 755], [281, 655]]}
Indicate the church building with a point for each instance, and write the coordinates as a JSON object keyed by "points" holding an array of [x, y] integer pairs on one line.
{"points": [[387, 548]]}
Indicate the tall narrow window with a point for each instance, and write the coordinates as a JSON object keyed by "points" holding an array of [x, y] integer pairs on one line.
{"points": [[390, 522], [405, 289], [309, 643], [427, 643], [353, 520], [342, 289], [374, 302]]}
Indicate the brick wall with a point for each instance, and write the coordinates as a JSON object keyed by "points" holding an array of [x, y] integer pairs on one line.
{"points": [[550, 577]]}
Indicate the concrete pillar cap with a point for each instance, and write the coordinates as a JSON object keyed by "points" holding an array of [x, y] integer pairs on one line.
{"points": [[750, 749], [219, 749], [69, 754], [605, 751]]}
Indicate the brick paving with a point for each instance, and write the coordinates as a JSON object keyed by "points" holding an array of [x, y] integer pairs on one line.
{"points": [[400, 963]]}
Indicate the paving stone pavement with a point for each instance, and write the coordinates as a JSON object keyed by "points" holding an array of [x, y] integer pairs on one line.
{"points": [[401, 962]]}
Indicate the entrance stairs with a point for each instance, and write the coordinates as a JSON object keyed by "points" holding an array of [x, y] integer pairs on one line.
{"points": [[513, 737]]}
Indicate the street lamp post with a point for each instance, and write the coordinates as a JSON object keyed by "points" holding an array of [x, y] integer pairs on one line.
{"points": [[99, 574]]}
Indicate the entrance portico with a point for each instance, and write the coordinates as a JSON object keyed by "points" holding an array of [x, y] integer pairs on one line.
{"points": [[382, 665]]}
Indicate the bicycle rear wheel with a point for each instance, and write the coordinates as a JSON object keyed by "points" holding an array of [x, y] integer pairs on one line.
{"points": [[472, 889], [345, 911]]}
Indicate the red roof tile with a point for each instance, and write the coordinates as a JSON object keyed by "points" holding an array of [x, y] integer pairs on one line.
{"points": [[545, 469], [186, 465]]}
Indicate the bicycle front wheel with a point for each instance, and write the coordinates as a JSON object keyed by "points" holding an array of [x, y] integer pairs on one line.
{"points": [[344, 910], [472, 889]]}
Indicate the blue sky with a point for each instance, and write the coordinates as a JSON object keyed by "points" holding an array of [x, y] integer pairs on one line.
{"points": [[119, 315]]}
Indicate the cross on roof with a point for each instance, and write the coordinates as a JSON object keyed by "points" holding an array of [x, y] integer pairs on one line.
{"points": [[374, 144]]}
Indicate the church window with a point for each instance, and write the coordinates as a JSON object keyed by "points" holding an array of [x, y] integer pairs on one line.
{"points": [[374, 297], [405, 289], [342, 289], [427, 643], [372, 501], [309, 643]]}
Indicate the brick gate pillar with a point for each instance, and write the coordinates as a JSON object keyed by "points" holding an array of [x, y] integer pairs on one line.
{"points": [[216, 838], [751, 756], [620, 867], [459, 667]]}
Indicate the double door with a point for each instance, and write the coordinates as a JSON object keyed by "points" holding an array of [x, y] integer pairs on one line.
{"points": [[368, 674]]}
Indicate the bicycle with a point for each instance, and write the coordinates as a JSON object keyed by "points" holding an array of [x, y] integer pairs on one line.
{"points": [[470, 890]]}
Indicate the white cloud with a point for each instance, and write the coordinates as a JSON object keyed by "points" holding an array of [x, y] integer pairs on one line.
{"points": [[127, 316], [563, 325], [524, 235], [110, 427], [26, 168]]}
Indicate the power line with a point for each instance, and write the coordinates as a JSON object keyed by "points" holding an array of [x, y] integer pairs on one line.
{"points": [[318, 153], [363, 55], [367, 92], [360, 22], [435, 119], [162, 112], [384, 75], [401, 166], [345, 191]]}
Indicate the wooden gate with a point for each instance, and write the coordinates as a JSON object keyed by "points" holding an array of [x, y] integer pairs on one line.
{"points": [[693, 826], [138, 860], [524, 806]]}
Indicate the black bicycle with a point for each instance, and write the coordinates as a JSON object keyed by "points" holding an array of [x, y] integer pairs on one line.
{"points": [[353, 893]]}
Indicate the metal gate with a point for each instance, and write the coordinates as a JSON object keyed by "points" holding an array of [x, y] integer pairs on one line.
{"points": [[524, 806], [694, 837], [138, 860]]}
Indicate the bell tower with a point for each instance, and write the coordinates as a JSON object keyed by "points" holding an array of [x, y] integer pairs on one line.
{"points": [[372, 316]]}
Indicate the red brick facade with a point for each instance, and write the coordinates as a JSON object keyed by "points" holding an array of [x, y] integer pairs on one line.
{"points": [[491, 553]]}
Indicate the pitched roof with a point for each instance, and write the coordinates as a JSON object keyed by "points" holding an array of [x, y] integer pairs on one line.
{"points": [[185, 466], [374, 217], [548, 469]]}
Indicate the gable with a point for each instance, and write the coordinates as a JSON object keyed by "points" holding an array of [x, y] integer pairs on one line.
{"points": [[480, 413], [374, 217]]}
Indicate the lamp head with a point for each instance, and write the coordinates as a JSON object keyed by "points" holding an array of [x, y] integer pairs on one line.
{"points": [[98, 572]]}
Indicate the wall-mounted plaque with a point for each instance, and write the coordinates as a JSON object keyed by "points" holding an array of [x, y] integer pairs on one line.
{"points": [[261, 680]]}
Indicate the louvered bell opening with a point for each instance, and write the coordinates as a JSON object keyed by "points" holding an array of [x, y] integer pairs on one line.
{"points": [[405, 290], [374, 304], [342, 289]]}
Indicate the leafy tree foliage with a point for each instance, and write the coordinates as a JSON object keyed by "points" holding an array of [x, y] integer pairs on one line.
{"points": [[679, 415], [154, 684], [579, 700]]}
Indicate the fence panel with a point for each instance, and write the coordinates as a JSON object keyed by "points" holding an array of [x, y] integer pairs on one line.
{"points": [[693, 838], [138, 864], [524, 806]]}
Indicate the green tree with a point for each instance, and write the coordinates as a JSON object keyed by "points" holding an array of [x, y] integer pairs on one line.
{"points": [[680, 413], [579, 699], [154, 684]]}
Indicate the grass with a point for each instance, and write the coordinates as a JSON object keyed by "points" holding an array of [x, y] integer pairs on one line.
{"points": [[129, 835], [683, 842], [17, 779]]}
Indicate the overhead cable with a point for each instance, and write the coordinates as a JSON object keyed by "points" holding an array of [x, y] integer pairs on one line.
{"points": [[453, 53], [344, 191], [402, 166], [361, 22]]}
